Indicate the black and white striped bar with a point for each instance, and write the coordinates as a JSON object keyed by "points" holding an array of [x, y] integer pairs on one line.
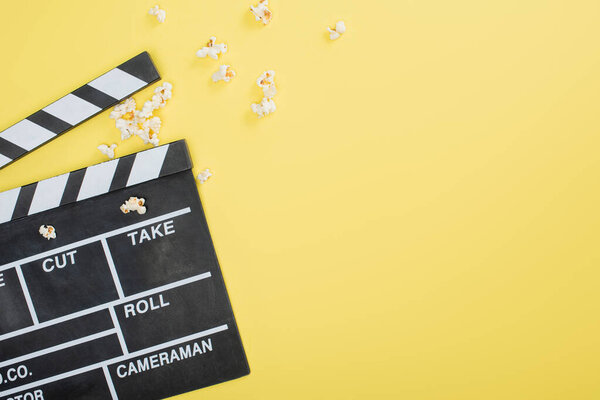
{"points": [[76, 107], [94, 181]]}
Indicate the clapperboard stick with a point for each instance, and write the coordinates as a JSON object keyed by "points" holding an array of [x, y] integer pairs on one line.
{"points": [[76, 107]]}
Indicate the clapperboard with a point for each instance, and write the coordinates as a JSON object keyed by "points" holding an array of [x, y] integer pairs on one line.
{"points": [[118, 306]]}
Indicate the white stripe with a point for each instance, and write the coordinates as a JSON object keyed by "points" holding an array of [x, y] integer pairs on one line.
{"points": [[48, 194], [58, 347], [27, 134], [27, 295], [117, 83], [97, 179], [72, 109], [101, 307], [96, 238], [115, 321], [112, 268], [8, 201], [102, 364], [109, 382], [147, 165], [4, 160]]}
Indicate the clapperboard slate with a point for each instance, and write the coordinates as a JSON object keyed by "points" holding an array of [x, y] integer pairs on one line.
{"points": [[118, 306], [76, 107]]}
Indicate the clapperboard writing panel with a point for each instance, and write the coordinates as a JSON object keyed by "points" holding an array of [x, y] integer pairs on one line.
{"points": [[76, 107], [118, 306]]}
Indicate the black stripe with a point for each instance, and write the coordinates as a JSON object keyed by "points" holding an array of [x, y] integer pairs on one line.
{"points": [[49, 121], [24, 201], [141, 67], [122, 172], [72, 187], [96, 97], [177, 159], [10, 149]]}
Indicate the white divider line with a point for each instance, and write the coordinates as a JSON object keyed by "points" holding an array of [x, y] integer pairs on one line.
{"points": [[27, 295], [109, 382], [104, 364], [58, 347], [113, 270], [104, 306], [168, 286], [168, 344], [115, 321], [96, 238]]}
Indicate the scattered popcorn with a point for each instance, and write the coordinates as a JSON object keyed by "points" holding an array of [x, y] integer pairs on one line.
{"points": [[261, 12], [212, 49], [336, 32], [48, 231], [266, 81], [225, 73], [160, 14], [142, 123], [204, 175], [108, 151], [265, 107], [134, 204]]}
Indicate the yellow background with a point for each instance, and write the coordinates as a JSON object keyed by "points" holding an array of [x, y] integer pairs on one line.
{"points": [[419, 218]]}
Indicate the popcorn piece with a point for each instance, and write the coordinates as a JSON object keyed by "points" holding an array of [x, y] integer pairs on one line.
{"points": [[261, 12], [162, 94], [265, 107], [124, 110], [153, 140], [212, 49], [126, 128], [124, 116], [154, 124], [146, 110], [147, 138], [266, 81], [269, 91], [48, 231], [134, 204], [225, 73], [204, 175], [109, 151], [160, 14], [142, 123], [336, 32]]}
